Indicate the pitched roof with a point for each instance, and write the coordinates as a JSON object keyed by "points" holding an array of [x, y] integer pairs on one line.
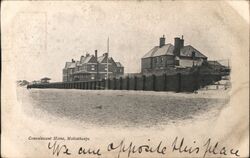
{"points": [[168, 49], [187, 51], [118, 64], [100, 58], [70, 65], [86, 59]]}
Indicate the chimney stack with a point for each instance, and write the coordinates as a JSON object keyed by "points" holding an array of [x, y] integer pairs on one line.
{"points": [[72, 60], [181, 42], [96, 54], [177, 46], [162, 41]]}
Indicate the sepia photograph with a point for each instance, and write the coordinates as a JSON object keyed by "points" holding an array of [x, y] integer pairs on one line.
{"points": [[125, 79]]}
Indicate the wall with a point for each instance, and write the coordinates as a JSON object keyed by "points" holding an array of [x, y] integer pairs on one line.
{"points": [[178, 83], [146, 63], [160, 62], [189, 62]]}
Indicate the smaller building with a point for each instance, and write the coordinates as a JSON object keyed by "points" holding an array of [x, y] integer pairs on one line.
{"points": [[166, 56], [217, 67], [45, 80]]}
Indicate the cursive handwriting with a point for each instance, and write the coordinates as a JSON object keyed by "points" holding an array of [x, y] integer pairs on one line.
{"points": [[209, 148], [57, 148], [214, 149], [132, 149], [184, 148], [178, 145], [89, 151]]}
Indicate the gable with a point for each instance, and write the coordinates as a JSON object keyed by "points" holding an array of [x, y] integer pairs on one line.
{"points": [[70, 65], [92, 59], [100, 59], [88, 59], [188, 50]]}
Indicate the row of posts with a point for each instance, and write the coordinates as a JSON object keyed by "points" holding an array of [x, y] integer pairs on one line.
{"points": [[138, 83]]}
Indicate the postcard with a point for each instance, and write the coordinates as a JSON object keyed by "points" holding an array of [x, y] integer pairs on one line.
{"points": [[125, 79]]}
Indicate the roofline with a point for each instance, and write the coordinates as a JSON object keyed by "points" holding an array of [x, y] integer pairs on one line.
{"points": [[196, 50]]}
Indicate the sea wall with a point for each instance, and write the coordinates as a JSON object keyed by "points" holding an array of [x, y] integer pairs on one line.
{"points": [[177, 83]]}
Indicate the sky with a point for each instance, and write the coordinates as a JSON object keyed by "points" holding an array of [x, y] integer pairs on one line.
{"points": [[39, 37]]}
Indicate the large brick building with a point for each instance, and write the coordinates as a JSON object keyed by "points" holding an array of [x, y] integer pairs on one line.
{"points": [[92, 67], [167, 56]]}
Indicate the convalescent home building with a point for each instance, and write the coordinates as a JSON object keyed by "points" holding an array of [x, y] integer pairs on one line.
{"points": [[92, 67], [167, 56]]}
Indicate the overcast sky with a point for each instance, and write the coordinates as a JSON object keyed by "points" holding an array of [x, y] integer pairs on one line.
{"points": [[39, 37]]}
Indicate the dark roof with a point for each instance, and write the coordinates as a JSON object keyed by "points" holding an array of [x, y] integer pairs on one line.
{"points": [[187, 51], [45, 78], [168, 49]]}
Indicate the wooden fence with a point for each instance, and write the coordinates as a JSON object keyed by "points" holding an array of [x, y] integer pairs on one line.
{"points": [[178, 83]]}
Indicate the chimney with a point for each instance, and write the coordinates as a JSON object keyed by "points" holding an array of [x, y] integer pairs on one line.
{"points": [[177, 46], [162, 41], [87, 54], [181, 42], [72, 60], [96, 54]]}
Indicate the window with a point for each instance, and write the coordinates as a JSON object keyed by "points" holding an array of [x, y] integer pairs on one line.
{"points": [[92, 68], [193, 55], [177, 62], [92, 78]]}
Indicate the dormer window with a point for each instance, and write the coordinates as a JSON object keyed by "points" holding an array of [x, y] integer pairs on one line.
{"points": [[193, 55]]}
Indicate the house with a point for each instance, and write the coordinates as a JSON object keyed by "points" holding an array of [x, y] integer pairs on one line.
{"points": [[166, 56], [92, 67]]}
